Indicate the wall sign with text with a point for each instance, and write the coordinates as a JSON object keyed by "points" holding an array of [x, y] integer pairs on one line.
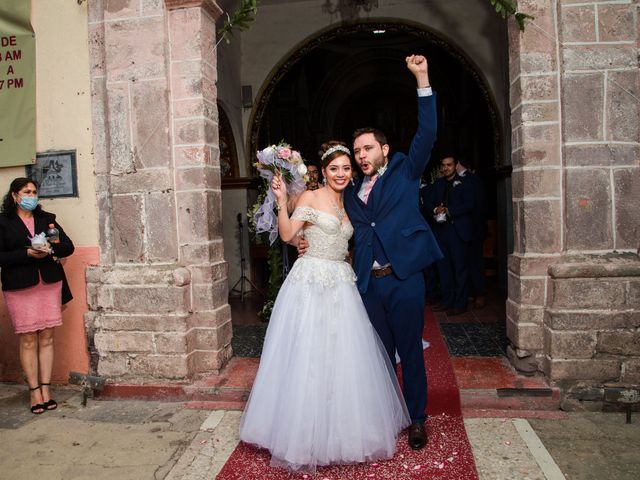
{"points": [[17, 84]]}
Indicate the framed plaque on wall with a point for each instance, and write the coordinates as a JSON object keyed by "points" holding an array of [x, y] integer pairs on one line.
{"points": [[56, 173]]}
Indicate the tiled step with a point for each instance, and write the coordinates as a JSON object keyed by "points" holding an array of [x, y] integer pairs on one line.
{"points": [[511, 399], [492, 384], [489, 387], [209, 398], [229, 387]]}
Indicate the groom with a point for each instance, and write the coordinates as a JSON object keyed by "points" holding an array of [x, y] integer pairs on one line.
{"points": [[394, 244]]}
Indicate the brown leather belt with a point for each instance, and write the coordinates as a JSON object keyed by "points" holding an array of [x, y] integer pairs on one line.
{"points": [[382, 272]]}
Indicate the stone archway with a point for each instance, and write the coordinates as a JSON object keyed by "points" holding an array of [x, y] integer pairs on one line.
{"points": [[420, 32], [158, 299], [561, 162], [343, 80]]}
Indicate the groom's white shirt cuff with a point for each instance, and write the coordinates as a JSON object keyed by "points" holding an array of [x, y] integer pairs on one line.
{"points": [[425, 92]]}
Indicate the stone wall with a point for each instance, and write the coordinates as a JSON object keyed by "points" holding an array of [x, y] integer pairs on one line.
{"points": [[158, 299], [575, 109], [592, 327]]}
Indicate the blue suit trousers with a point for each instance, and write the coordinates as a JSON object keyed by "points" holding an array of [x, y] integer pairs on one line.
{"points": [[396, 310], [453, 268]]}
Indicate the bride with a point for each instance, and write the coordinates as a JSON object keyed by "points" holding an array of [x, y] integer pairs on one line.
{"points": [[325, 392]]}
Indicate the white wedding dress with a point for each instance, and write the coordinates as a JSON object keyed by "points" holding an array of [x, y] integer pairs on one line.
{"points": [[325, 392]]}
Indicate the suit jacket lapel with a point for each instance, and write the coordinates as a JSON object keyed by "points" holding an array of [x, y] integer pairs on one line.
{"points": [[375, 193], [356, 190]]}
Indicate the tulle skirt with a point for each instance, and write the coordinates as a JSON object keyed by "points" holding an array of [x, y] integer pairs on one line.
{"points": [[325, 392]]}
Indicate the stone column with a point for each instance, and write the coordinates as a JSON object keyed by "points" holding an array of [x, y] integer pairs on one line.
{"points": [[537, 177], [193, 70], [572, 311], [591, 324], [158, 299]]}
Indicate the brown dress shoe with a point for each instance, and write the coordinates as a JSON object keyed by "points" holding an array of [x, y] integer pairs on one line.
{"points": [[480, 302], [456, 311], [417, 436]]}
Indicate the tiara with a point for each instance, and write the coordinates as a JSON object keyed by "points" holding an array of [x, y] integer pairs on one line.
{"points": [[335, 148]]}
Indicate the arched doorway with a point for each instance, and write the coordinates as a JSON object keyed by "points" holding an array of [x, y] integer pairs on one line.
{"points": [[354, 75]]}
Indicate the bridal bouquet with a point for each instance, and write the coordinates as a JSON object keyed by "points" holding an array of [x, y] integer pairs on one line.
{"points": [[278, 159]]}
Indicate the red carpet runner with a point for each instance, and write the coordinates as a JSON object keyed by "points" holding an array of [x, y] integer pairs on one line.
{"points": [[448, 455]]}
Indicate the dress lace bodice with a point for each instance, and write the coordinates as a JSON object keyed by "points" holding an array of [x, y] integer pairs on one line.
{"points": [[328, 239]]}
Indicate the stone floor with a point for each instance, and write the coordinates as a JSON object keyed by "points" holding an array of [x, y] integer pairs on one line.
{"points": [[248, 339], [155, 440], [475, 339], [593, 446]]}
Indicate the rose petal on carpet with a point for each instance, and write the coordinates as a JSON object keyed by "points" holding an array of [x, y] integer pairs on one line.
{"points": [[447, 456]]}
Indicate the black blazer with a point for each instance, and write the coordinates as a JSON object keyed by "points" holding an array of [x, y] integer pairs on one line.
{"points": [[17, 269], [460, 204]]}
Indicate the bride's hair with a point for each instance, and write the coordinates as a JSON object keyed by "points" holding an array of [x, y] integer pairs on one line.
{"points": [[332, 149]]}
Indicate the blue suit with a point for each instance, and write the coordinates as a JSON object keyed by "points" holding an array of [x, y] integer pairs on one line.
{"points": [[390, 228], [454, 237], [476, 282]]}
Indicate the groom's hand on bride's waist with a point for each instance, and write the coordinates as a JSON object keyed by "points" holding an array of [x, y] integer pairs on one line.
{"points": [[302, 246]]}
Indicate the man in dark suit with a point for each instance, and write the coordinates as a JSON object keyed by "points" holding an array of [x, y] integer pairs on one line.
{"points": [[394, 244], [432, 288], [477, 287], [451, 203]]}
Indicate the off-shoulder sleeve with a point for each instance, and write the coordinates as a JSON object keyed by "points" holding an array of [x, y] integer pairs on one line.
{"points": [[305, 214]]}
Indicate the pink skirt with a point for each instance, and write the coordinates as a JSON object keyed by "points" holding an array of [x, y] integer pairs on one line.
{"points": [[35, 308]]}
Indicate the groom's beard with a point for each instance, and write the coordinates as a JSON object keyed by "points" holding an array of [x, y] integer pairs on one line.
{"points": [[375, 165]]}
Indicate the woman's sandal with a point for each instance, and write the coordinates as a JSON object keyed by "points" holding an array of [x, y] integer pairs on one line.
{"points": [[38, 408], [50, 404]]}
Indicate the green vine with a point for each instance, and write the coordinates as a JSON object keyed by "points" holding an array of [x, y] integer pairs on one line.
{"points": [[506, 8], [241, 19], [274, 254], [274, 263]]}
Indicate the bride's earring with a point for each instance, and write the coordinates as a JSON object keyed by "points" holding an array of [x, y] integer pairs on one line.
{"points": [[324, 181]]}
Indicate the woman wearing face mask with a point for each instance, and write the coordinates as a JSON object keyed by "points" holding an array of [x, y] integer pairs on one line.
{"points": [[33, 284]]}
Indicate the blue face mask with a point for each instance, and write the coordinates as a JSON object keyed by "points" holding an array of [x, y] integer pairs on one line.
{"points": [[28, 203]]}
